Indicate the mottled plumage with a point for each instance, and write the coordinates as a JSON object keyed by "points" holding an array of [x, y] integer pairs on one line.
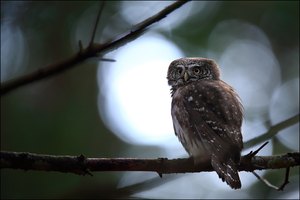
{"points": [[207, 115]]}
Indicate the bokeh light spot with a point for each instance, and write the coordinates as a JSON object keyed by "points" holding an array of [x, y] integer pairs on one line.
{"points": [[138, 102]]}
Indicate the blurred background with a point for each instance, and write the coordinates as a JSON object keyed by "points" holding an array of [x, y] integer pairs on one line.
{"points": [[122, 108]]}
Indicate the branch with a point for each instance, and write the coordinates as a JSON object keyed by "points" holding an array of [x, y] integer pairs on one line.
{"points": [[280, 188], [272, 131], [265, 181], [97, 21], [92, 50], [81, 165]]}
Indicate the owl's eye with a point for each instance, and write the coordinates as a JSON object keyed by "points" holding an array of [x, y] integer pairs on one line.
{"points": [[196, 70], [179, 70]]}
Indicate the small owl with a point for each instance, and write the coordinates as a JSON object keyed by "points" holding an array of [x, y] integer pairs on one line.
{"points": [[207, 116]]}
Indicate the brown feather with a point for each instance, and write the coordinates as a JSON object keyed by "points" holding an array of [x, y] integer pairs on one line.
{"points": [[207, 116]]}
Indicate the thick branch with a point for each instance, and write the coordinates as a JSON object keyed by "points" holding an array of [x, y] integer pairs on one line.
{"points": [[91, 51], [82, 165]]}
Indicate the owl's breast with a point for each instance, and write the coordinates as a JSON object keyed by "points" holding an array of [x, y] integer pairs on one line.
{"points": [[205, 114], [184, 125]]}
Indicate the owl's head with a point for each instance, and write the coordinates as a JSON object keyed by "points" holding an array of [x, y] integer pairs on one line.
{"points": [[186, 70]]}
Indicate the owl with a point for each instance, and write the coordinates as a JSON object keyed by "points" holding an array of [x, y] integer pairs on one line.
{"points": [[207, 116]]}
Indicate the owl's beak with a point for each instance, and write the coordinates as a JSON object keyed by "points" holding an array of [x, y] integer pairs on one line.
{"points": [[185, 76]]}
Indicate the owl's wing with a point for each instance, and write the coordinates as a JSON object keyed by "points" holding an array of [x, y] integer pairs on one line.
{"points": [[216, 111]]}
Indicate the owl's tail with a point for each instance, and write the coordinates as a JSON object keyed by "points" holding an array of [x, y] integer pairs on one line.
{"points": [[227, 171]]}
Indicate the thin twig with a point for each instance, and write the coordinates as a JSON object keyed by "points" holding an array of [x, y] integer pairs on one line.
{"points": [[90, 51], [253, 153], [101, 6], [260, 148], [265, 181], [108, 59], [272, 131], [286, 179], [280, 188], [80, 46]]}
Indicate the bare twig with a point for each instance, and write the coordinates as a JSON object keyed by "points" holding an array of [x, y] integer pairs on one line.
{"points": [[91, 51], [80, 46], [286, 179], [265, 181], [82, 165], [272, 131], [108, 59], [253, 153], [101, 6]]}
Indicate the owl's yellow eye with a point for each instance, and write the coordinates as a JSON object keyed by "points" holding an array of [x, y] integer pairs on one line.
{"points": [[196, 70]]}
